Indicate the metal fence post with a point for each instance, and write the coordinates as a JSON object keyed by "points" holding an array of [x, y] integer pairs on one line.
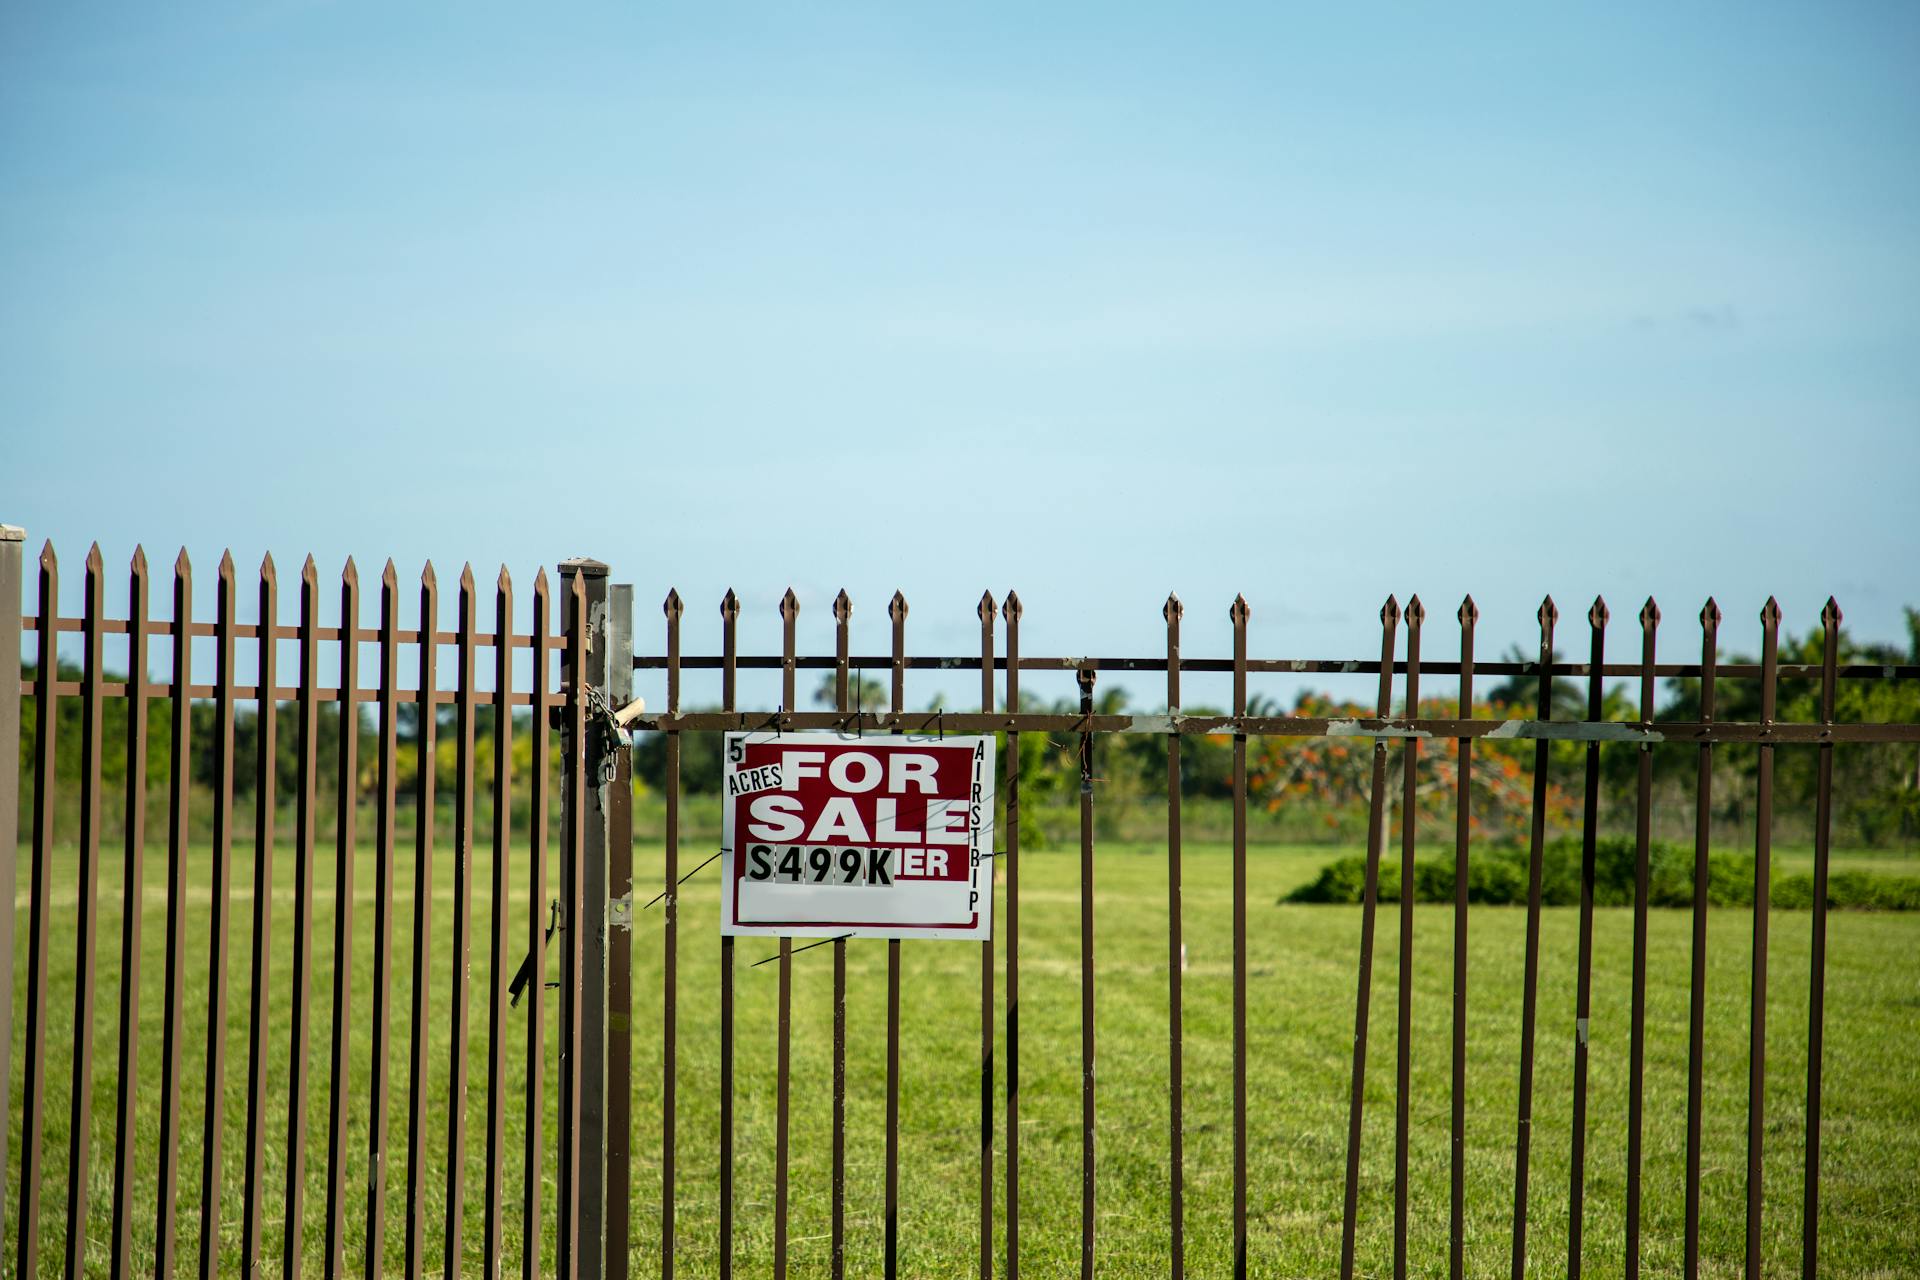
{"points": [[589, 1257], [11, 541], [619, 951]]}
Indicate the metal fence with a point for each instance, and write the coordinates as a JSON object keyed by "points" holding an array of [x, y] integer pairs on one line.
{"points": [[581, 669], [1382, 729], [428, 1244]]}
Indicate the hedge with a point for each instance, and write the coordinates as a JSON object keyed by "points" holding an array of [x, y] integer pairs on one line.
{"points": [[1497, 875]]}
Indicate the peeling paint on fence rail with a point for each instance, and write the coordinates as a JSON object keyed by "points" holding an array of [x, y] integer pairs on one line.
{"points": [[932, 724]]}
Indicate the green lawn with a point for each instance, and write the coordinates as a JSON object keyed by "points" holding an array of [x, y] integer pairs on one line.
{"points": [[1300, 1020]]}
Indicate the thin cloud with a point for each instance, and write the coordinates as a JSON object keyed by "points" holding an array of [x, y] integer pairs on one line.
{"points": [[1717, 319]]}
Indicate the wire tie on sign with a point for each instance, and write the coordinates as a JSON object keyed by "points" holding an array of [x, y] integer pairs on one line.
{"points": [[797, 950], [683, 879]]}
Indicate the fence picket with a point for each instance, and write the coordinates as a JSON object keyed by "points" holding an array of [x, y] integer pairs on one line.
{"points": [[540, 760], [1762, 909], [1642, 853], [1817, 980], [460, 1001], [291, 1251], [1088, 1115], [986, 614], [1376, 793], [87, 913], [220, 926], [1697, 981], [426, 753], [380, 1062], [897, 702], [1530, 981], [1238, 614], [672, 609], [837, 1245], [1583, 989], [131, 910], [1010, 613], [729, 645], [497, 922], [1469, 615], [178, 836], [1173, 611], [1403, 1027], [33, 1081], [346, 811]]}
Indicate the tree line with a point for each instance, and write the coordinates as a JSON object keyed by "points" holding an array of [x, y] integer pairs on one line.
{"points": [[1317, 785], [1321, 785]]}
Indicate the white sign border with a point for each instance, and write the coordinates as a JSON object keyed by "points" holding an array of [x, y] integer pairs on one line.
{"points": [[980, 837]]}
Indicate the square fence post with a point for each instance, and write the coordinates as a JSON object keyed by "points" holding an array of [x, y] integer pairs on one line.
{"points": [[12, 540], [606, 892], [619, 953]]}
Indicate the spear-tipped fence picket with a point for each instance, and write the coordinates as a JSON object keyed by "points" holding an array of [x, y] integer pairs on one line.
{"points": [[592, 1186]]}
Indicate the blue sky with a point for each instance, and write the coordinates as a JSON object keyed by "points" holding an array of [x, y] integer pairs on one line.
{"points": [[1094, 302]]}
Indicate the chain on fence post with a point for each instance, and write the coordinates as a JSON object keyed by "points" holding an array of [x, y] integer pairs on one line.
{"points": [[12, 539]]}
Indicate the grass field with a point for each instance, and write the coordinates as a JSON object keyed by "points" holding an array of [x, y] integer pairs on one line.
{"points": [[1301, 992]]}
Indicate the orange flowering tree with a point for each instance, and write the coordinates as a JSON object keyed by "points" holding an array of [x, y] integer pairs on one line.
{"points": [[1332, 777]]}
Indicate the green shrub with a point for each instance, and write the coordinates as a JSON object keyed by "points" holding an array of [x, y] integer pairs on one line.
{"points": [[1497, 876], [1867, 892], [1795, 892]]}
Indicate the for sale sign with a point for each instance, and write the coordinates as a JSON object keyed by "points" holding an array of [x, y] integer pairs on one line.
{"points": [[884, 836]]}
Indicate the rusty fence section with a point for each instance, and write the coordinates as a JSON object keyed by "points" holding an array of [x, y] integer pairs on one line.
{"points": [[485, 670], [580, 657], [1409, 733]]}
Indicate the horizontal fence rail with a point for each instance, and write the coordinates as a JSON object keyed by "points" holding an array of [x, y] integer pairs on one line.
{"points": [[1285, 666], [937, 722]]}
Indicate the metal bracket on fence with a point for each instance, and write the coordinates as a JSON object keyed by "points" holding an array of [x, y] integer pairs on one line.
{"points": [[525, 973]]}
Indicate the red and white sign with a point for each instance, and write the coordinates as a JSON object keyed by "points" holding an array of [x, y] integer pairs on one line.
{"points": [[883, 836]]}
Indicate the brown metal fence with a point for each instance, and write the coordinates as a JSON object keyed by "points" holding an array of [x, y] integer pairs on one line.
{"points": [[1382, 730], [592, 1201], [143, 1231]]}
